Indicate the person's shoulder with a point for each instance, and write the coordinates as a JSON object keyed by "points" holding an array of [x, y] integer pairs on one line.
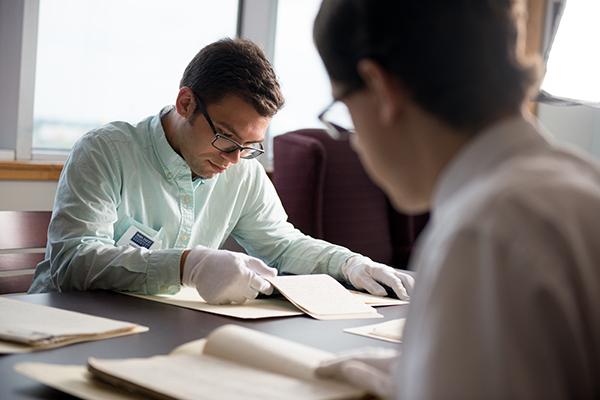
{"points": [[110, 135], [536, 189]]}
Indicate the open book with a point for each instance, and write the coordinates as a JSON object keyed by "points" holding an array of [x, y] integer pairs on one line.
{"points": [[320, 296], [231, 363], [28, 327]]}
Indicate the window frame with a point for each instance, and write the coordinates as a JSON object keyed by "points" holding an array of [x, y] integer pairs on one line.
{"points": [[18, 47]]}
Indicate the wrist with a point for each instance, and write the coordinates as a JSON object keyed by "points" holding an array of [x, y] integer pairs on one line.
{"points": [[184, 257]]}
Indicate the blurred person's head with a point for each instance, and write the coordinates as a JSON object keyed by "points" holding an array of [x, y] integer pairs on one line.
{"points": [[420, 77]]}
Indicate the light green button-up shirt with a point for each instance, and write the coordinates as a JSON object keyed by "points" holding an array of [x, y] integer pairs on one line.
{"points": [[122, 175]]}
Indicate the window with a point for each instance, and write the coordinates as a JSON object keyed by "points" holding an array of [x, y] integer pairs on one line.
{"points": [[303, 78], [100, 61], [574, 63]]}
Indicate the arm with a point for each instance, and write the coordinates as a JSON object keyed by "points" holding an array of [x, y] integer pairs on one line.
{"points": [[81, 248], [485, 318], [264, 232]]}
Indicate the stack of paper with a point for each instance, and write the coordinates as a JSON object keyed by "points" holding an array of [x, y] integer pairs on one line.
{"points": [[28, 327], [232, 363]]}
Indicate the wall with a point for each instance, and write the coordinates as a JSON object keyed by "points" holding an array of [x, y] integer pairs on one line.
{"points": [[578, 126], [27, 195]]}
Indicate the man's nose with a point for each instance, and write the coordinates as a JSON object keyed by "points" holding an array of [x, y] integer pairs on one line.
{"points": [[233, 157]]}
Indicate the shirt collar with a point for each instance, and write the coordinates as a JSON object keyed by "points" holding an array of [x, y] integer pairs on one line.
{"points": [[483, 153], [173, 164]]}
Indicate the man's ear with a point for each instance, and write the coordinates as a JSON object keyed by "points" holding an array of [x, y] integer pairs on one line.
{"points": [[385, 88], [186, 102]]}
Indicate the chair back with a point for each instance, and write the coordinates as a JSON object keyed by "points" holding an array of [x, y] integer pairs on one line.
{"points": [[328, 195], [22, 243]]}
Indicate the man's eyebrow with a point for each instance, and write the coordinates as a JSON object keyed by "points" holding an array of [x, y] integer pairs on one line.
{"points": [[229, 129]]}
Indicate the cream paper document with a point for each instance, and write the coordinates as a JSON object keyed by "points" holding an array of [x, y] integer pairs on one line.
{"points": [[232, 363], [28, 327], [318, 295], [389, 331]]}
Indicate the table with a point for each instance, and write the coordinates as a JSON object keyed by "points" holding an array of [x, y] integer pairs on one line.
{"points": [[169, 326]]}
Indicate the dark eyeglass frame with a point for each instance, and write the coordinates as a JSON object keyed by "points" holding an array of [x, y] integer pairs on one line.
{"points": [[334, 130], [253, 152]]}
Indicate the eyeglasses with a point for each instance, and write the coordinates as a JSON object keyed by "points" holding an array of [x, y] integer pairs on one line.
{"points": [[336, 116], [227, 145]]}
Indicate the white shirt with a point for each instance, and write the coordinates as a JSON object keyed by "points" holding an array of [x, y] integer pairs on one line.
{"points": [[507, 298]]}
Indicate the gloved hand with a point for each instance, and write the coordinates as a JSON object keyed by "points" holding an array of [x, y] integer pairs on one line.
{"points": [[369, 369], [364, 273], [224, 277]]}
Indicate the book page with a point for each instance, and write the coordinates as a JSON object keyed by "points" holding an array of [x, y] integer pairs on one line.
{"points": [[185, 374], [322, 297], [40, 326], [390, 331], [188, 297], [267, 352]]}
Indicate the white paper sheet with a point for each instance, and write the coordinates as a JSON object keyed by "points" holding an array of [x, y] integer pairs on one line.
{"points": [[389, 331]]}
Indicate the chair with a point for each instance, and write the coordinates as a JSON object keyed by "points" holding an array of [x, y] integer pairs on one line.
{"points": [[22, 242], [328, 195]]}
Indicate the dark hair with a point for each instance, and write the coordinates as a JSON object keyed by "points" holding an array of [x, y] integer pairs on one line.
{"points": [[234, 67], [460, 59]]}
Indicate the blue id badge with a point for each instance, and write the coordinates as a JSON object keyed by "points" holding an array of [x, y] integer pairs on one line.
{"points": [[136, 238]]}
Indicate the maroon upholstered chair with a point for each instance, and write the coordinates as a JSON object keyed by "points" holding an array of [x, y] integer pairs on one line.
{"points": [[328, 195], [22, 243]]}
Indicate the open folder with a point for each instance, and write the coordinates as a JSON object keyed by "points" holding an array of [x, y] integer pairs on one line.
{"points": [[231, 363], [28, 327], [318, 295]]}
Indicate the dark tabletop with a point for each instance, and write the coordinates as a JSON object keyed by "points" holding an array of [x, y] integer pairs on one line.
{"points": [[169, 326]]}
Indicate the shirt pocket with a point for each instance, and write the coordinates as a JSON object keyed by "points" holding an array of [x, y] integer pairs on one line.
{"points": [[129, 231]]}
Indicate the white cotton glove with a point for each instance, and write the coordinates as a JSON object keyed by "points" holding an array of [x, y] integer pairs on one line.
{"points": [[369, 369], [225, 277], [364, 273]]}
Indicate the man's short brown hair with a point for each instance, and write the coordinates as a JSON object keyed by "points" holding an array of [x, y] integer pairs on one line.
{"points": [[234, 67]]}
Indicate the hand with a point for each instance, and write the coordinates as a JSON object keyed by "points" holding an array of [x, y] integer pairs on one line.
{"points": [[364, 273], [224, 277], [369, 369]]}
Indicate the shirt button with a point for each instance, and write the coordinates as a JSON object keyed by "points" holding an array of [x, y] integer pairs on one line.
{"points": [[186, 200], [185, 237]]}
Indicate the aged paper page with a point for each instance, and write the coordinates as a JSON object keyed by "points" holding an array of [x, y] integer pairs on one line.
{"points": [[72, 379], [188, 374], [264, 351], [201, 377], [390, 331], [377, 301], [11, 348], [322, 297], [188, 297], [42, 327]]}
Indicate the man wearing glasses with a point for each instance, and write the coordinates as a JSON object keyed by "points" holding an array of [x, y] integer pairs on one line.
{"points": [[145, 208]]}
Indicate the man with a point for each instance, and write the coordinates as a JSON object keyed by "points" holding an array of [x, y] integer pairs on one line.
{"points": [[507, 300], [144, 208]]}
